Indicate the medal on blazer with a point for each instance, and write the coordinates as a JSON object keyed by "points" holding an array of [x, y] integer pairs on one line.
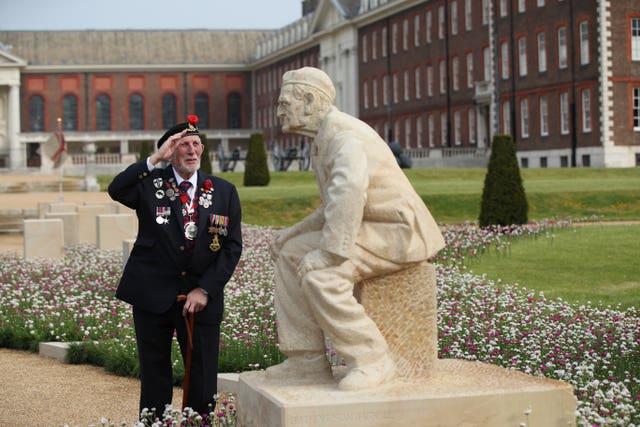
{"points": [[162, 214], [218, 226], [190, 230]]}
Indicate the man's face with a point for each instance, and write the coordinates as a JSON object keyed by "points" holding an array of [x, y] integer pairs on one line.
{"points": [[290, 110], [186, 157]]}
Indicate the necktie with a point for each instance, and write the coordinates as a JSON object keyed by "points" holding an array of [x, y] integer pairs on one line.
{"points": [[190, 216]]}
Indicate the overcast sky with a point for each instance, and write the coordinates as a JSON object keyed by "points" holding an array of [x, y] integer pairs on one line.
{"points": [[147, 14]]}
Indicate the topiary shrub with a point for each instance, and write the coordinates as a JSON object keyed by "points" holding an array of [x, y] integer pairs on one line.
{"points": [[145, 150], [256, 170], [205, 161], [503, 198]]}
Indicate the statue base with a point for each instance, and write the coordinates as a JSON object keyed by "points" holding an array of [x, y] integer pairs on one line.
{"points": [[457, 393]]}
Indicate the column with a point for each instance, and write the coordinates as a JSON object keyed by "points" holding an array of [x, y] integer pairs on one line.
{"points": [[16, 151], [90, 181]]}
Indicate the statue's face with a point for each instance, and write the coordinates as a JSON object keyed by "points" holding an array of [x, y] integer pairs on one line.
{"points": [[290, 110]]}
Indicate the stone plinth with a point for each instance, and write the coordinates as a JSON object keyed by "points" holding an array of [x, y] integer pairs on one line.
{"points": [[87, 217], [457, 393], [404, 307], [43, 238], [69, 226], [112, 229]]}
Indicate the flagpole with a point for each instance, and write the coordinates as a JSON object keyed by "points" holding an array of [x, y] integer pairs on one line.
{"points": [[61, 196]]}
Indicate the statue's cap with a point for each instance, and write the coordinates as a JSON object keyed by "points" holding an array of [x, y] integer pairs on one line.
{"points": [[313, 77]]}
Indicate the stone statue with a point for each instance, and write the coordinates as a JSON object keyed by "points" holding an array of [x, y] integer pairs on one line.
{"points": [[370, 222]]}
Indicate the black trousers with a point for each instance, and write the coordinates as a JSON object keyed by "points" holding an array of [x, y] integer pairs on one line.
{"points": [[154, 333]]}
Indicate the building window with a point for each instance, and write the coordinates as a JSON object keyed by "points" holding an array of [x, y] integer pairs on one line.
{"points": [[443, 75], [564, 113], [486, 62], [468, 15], [584, 43], [542, 53], [454, 17], [405, 85], [417, 77], [586, 110], [635, 39], [522, 6], [486, 11], [506, 118], [385, 90], [457, 128], [522, 56], [586, 160], [441, 22], [431, 131], [394, 38], [201, 104], [363, 48], [36, 114], [103, 112], [470, 79], [365, 95], [70, 112], [562, 47], [636, 108], [504, 59], [136, 112], [429, 80], [455, 66], [407, 133], [564, 161], [543, 162], [524, 118], [471, 121], [169, 112], [540, 3], [383, 41], [374, 88], [234, 111], [405, 34], [416, 30], [374, 45], [419, 132], [503, 8], [524, 162], [428, 19], [395, 88], [443, 129]]}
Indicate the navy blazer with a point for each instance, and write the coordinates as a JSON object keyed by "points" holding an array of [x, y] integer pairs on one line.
{"points": [[158, 269]]}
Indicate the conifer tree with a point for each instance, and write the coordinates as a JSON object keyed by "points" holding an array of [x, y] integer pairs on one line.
{"points": [[503, 198], [256, 171]]}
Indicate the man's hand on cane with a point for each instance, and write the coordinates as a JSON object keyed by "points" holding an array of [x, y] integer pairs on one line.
{"points": [[196, 301]]}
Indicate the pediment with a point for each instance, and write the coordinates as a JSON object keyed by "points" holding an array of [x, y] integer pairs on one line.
{"points": [[8, 60], [326, 16]]}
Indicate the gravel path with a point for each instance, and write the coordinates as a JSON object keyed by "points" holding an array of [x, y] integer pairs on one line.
{"points": [[38, 391]]}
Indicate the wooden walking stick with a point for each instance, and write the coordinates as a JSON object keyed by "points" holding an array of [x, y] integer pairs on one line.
{"points": [[188, 321]]}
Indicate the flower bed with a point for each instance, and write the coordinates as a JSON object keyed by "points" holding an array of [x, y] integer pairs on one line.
{"points": [[595, 349]]}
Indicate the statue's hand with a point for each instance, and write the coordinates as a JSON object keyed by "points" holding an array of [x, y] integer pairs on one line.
{"points": [[317, 259]]}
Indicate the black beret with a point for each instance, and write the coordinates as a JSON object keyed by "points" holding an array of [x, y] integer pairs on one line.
{"points": [[190, 124]]}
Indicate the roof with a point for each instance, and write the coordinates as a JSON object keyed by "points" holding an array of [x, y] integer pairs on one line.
{"points": [[133, 47]]}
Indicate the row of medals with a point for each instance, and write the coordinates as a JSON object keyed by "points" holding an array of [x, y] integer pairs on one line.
{"points": [[190, 228]]}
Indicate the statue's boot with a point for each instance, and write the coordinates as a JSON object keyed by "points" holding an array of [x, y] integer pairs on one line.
{"points": [[305, 365], [369, 375]]}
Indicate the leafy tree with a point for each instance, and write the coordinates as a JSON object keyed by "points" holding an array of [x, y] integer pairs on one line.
{"points": [[503, 198], [256, 171]]}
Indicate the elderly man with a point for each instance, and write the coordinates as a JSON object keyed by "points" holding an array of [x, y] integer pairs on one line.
{"points": [[189, 243], [370, 222]]}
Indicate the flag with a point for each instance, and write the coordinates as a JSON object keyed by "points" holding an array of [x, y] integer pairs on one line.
{"points": [[55, 148]]}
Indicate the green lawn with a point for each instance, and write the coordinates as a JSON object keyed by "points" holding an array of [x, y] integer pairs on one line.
{"points": [[595, 263]]}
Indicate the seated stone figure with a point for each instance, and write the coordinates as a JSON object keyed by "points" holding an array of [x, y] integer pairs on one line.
{"points": [[370, 222]]}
